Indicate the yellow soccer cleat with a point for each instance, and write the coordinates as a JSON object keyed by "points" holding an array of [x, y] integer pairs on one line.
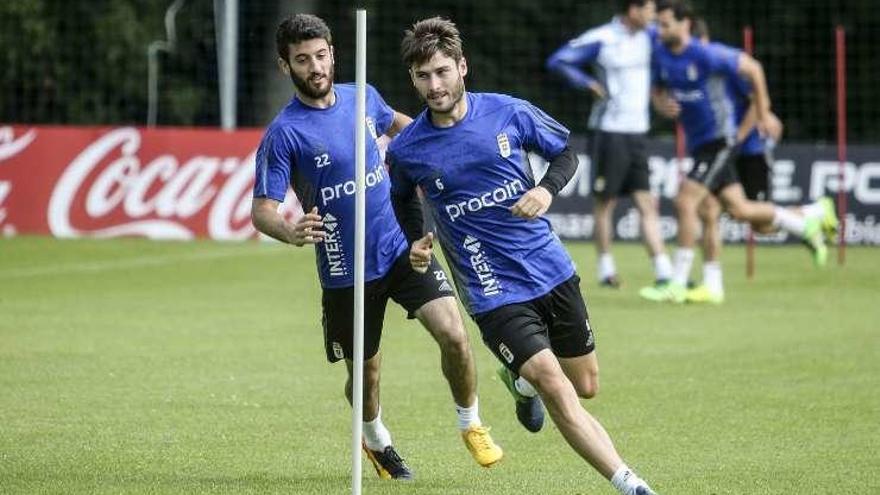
{"points": [[702, 295], [481, 446]]}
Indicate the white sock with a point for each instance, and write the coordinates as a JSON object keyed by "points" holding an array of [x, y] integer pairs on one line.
{"points": [[606, 266], [626, 481], [684, 258], [789, 221], [376, 436], [662, 267], [712, 278], [468, 416], [524, 387], [813, 210]]}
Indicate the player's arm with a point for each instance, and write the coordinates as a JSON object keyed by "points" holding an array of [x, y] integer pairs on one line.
{"points": [[408, 210], [266, 219], [664, 104], [537, 200], [400, 121], [569, 60], [750, 119], [753, 72]]}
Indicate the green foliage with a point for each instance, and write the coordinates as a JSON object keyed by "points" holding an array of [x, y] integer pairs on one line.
{"points": [[85, 62]]}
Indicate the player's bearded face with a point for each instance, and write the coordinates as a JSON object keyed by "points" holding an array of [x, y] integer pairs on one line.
{"points": [[440, 82], [311, 68], [669, 29]]}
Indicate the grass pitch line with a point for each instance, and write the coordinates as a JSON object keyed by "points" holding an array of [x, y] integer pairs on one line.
{"points": [[135, 262]]}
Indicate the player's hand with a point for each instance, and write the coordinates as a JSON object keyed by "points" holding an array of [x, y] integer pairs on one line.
{"points": [[533, 203], [667, 106], [420, 253], [308, 229], [770, 127], [598, 90]]}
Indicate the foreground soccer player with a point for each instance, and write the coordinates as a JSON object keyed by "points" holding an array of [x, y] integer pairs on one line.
{"points": [[467, 153], [310, 145], [694, 75]]}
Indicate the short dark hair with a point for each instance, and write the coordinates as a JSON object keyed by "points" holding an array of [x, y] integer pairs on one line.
{"points": [[624, 5], [699, 28], [300, 27], [681, 9], [429, 36]]}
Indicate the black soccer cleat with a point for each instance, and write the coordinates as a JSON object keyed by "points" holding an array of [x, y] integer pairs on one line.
{"points": [[389, 465], [529, 410], [611, 282], [644, 490]]}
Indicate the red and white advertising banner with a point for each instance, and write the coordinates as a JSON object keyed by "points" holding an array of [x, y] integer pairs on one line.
{"points": [[169, 183]]}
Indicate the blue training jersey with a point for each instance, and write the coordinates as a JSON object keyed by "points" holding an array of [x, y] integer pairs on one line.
{"points": [[313, 150], [471, 174], [697, 79], [740, 91]]}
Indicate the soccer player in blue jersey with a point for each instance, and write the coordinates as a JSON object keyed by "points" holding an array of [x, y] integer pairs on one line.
{"points": [[619, 55], [752, 168], [694, 75], [467, 154], [310, 146]]}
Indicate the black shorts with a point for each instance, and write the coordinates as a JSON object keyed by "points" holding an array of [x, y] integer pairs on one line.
{"points": [[620, 164], [714, 165], [557, 321], [404, 285], [754, 173]]}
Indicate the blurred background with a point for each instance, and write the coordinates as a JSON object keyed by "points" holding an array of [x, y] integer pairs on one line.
{"points": [[87, 62]]}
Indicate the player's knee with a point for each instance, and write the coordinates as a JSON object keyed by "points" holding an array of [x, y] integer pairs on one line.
{"points": [[587, 387], [452, 340], [683, 203], [549, 384], [738, 211]]}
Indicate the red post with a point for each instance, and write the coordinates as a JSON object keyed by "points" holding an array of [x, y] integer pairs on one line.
{"points": [[748, 47], [840, 38], [679, 147]]}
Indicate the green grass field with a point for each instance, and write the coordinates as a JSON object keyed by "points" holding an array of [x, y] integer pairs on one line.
{"points": [[129, 366]]}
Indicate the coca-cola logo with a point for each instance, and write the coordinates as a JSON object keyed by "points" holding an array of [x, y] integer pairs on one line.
{"points": [[111, 192], [10, 146]]}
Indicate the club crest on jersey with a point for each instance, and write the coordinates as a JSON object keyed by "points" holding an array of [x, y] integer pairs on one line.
{"points": [[692, 72], [503, 144], [371, 125]]}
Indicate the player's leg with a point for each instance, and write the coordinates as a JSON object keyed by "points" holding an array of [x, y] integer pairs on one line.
{"points": [[609, 159], [429, 298], [602, 214], [571, 337], [711, 168], [638, 184], [443, 321], [579, 428], [690, 194], [520, 337], [767, 217], [338, 320], [711, 289]]}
